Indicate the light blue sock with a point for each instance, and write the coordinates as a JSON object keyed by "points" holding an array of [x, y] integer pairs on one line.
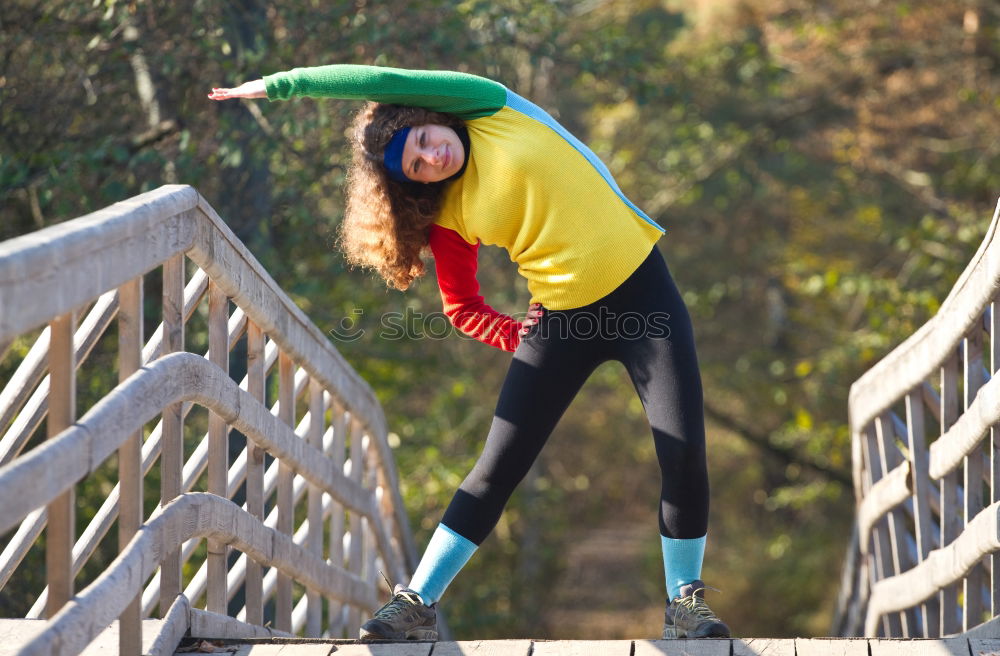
{"points": [[446, 554], [682, 561]]}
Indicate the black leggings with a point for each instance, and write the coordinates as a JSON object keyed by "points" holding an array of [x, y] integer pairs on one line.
{"points": [[643, 324]]}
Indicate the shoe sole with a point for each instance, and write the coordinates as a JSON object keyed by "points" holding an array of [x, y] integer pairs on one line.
{"points": [[412, 634], [675, 634]]}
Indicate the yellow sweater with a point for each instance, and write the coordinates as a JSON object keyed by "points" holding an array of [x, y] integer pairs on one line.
{"points": [[528, 190], [529, 186]]}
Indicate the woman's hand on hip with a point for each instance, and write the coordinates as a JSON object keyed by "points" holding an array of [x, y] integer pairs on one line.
{"points": [[535, 312], [252, 89]]}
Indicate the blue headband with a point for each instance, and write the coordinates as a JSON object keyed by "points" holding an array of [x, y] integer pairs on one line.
{"points": [[392, 158]]}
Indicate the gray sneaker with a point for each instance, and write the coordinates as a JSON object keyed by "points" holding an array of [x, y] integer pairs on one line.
{"points": [[405, 617], [688, 616]]}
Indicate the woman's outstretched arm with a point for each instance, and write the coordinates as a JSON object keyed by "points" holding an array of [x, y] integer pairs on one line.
{"points": [[467, 96], [252, 89]]}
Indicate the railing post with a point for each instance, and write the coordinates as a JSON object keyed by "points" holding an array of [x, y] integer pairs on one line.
{"points": [[172, 440], [972, 354], [286, 499], [890, 459], [371, 544], [218, 444], [385, 511], [994, 335], [335, 609], [356, 553], [950, 506], [891, 624], [314, 609], [255, 473], [62, 413], [130, 493], [918, 458]]}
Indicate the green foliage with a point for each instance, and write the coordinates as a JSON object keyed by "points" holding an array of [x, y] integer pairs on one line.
{"points": [[823, 175]]}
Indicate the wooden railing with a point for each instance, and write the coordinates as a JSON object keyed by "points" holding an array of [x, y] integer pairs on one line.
{"points": [[926, 457], [313, 497]]}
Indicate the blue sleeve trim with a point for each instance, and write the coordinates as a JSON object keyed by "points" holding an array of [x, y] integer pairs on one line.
{"points": [[528, 108]]}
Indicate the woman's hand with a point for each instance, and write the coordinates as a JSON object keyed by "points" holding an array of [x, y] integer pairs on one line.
{"points": [[535, 312], [253, 89]]}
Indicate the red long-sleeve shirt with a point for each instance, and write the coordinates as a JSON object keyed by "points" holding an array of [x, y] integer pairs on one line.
{"points": [[456, 262]]}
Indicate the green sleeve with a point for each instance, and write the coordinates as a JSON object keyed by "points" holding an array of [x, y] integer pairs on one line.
{"points": [[468, 96]]}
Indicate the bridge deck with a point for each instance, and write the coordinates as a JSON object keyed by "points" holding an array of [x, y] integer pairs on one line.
{"points": [[738, 647], [14, 633]]}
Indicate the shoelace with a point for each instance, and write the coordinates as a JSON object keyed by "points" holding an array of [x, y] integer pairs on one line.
{"points": [[697, 606], [397, 605]]}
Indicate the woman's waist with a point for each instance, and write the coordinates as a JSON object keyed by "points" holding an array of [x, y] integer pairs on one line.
{"points": [[593, 282]]}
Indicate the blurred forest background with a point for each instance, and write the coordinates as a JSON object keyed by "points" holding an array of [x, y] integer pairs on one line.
{"points": [[824, 170]]}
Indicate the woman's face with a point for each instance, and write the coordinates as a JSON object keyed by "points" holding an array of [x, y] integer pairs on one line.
{"points": [[432, 153]]}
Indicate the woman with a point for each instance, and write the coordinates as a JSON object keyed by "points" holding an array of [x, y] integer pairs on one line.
{"points": [[450, 160]]}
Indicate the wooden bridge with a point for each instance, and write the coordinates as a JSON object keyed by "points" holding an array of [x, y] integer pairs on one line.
{"points": [[277, 498]]}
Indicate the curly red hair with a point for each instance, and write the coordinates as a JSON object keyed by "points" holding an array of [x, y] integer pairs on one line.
{"points": [[386, 222]]}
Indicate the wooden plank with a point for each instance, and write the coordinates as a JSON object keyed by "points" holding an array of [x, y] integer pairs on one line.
{"points": [[255, 472], [165, 639], [314, 616], [984, 647], [950, 506], [382, 649], [16, 633], [918, 459], [172, 440], [987, 630], [108, 640], [972, 355], [889, 492], [561, 648], [299, 649], [356, 554], [890, 457], [883, 569], [286, 503], [370, 524], [702, 647], [832, 646], [89, 255], [764, 647], [993, 328], [336, 619], [130, 340], [492, 648], [218, 445], [946, 647], [213, 626], [62, 412]]}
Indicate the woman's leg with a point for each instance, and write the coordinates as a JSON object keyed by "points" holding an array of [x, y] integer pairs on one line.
{"points": [[549, 368], [658, 350]]}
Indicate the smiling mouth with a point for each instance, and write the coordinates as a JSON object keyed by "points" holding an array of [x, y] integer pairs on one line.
{"points": [[447, 156]]}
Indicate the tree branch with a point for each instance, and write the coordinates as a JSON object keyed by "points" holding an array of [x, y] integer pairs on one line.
{"points": [[784, 454]]}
